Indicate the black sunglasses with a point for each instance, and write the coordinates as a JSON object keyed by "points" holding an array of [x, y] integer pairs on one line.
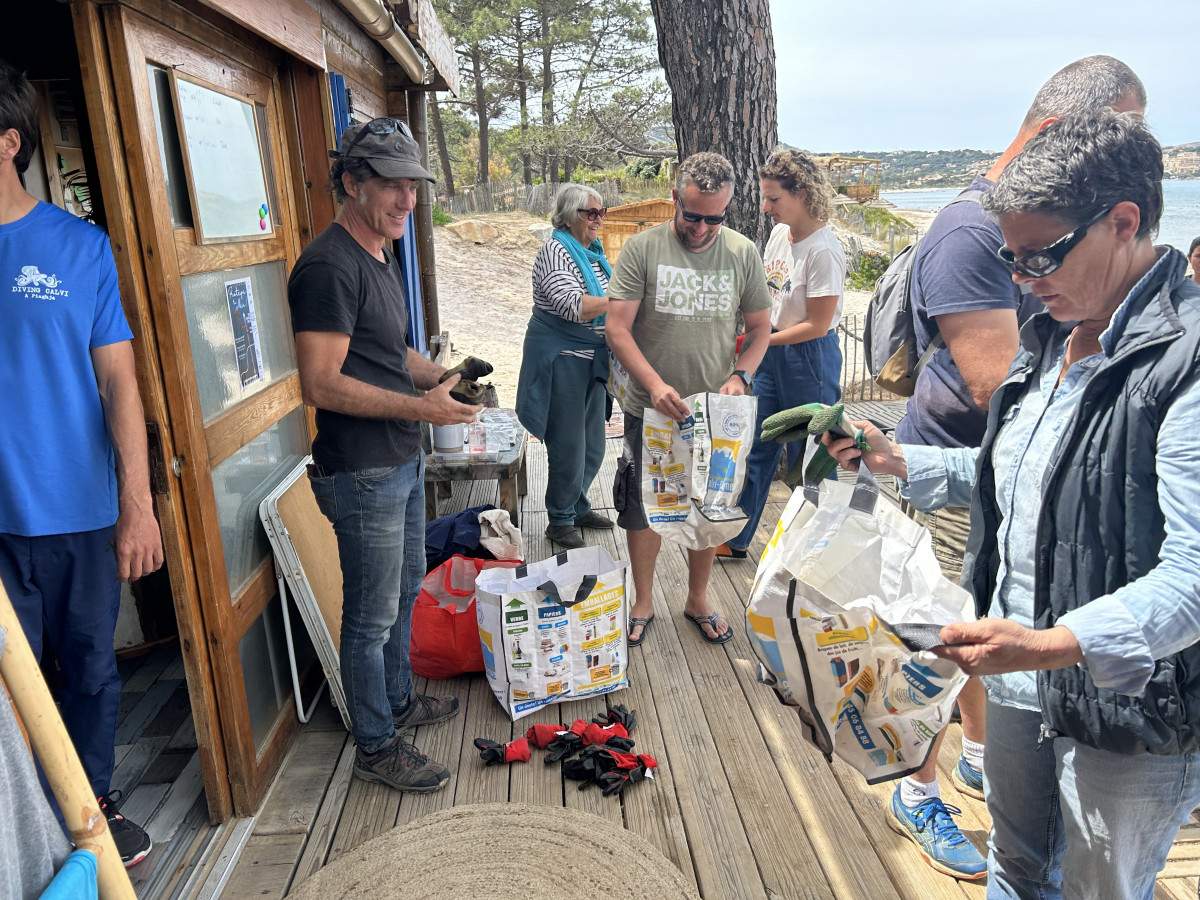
{"points": [[595, 215], [696, 217], [1048, 260], [378, 126]]}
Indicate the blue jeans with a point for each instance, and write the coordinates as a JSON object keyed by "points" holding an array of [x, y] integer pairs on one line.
{"points": [[790, 375], [1072, 821], [378, 516], [574, 438], [64, 588]]}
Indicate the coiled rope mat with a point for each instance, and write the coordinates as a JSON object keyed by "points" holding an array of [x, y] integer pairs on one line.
{"points": [[499, 850]]}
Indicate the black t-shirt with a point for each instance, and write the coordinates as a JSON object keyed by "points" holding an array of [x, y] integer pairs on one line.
{"points": [[338, 286]]}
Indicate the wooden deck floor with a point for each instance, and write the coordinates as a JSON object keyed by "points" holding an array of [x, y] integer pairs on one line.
{"points": [[739, 803]]}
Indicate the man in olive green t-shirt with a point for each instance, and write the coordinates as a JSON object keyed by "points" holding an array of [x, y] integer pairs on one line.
{"points": [[674, 297]]}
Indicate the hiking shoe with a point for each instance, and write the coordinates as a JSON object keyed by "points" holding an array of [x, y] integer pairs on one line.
{"points": [[727, 552], [968, 779], [425, 711], [132, 842], [932, 829], [567, 536], [400, 765], [593, 519]]}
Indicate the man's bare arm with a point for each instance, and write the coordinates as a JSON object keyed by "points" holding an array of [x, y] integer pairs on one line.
{"points": [[618, 332], [320, 356], [982, 343], [136, 538], [425, 373], [758, 338]]}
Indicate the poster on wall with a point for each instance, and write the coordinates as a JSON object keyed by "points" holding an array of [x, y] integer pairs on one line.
{"points": [[224, 163], [246, 347]]}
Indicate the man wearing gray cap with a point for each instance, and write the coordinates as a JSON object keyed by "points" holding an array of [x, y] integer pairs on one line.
{"points": [[370, 391]]}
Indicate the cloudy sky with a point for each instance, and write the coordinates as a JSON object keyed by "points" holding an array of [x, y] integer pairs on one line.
{"points": [[948, 74]]}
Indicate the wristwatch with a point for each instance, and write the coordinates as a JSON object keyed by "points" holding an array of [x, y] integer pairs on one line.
{"points": [[747, 378]]}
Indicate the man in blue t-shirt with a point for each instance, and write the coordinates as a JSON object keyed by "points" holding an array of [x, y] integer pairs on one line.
{"points": [[76, 515], [962, 291]]}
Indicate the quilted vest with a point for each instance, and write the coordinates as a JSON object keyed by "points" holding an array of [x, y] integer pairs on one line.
{"points": [[1100, 525]]}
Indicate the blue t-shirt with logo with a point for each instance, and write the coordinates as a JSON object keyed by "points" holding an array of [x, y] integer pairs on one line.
{"points": [[955, 270], [58, 301]]}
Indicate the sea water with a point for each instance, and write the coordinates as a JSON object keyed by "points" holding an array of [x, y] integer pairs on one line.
{"points": [[1180, 220]]}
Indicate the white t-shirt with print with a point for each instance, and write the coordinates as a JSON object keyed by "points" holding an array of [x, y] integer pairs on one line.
{"points": [[813, 267]]}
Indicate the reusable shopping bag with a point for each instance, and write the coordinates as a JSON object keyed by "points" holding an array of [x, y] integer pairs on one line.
{"points": [[554, 630], [693, 471], [444, 640], [846, 597]]}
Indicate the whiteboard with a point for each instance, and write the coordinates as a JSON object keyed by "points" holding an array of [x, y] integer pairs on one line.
{"points": [[224, 164]]}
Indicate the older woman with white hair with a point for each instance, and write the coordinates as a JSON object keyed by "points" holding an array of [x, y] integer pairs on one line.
{"points": [[561, 397]]}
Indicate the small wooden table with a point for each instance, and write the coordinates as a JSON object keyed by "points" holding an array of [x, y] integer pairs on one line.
{"points": [[508, 469]]}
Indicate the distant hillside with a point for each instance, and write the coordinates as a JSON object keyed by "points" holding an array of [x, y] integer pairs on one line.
{"points": [[928, 168], [956, 168]]}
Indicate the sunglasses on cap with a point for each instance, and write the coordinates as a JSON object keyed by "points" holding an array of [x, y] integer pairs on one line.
{"points": [[693, 218], [595, 215], [1048, 260], [378, 126]]}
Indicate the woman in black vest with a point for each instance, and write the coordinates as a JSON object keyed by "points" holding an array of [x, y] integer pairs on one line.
{"points": [[1084, 556]]}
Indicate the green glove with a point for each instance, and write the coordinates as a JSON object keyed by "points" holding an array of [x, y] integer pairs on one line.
{"points": [[811, 419], [472, 369], [789, 424]]}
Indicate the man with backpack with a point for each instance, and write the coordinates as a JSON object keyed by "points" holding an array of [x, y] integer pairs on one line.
{"points": [[965, 305]]}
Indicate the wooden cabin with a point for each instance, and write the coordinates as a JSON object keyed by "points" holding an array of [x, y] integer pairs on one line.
{"points": [[197, 134], [622, 222]]}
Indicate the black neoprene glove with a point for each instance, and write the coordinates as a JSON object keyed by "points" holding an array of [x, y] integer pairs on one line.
{"points": [[618, 714], [567, 744], [494, 753], [472, 369]]}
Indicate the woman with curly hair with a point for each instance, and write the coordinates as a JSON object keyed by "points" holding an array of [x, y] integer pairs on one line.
{"points": [[805, 268]]}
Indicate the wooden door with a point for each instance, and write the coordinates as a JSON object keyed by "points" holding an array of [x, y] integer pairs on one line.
{"points": [[211, 176]]}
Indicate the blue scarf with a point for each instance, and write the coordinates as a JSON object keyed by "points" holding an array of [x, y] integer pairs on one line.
{"points": [[583, 257]]}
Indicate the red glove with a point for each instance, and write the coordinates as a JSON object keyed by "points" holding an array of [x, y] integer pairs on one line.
{"points": [[493, 753], [596, 734], [541, 735]]}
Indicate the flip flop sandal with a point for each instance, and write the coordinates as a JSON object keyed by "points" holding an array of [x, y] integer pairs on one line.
{"points": [[634, 622], [711, 621]]}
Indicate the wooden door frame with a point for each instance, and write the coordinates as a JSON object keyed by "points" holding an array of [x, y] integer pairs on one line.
{"points": [[117, 193], [136, 36]]}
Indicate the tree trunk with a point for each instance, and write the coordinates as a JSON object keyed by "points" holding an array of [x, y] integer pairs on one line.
{"points": [[439, 137], [523, 101], [481, 112], [568, 167], [719, 60], [548, 96]]}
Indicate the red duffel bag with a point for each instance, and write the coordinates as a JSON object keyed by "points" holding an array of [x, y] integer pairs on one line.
{"points": [[445, 637]]}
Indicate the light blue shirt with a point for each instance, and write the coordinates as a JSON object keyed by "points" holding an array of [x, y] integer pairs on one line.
{"points": [[1123, 633]]}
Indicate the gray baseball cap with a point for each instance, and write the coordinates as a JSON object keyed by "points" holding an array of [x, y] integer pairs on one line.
{"points": [[387, 146]]}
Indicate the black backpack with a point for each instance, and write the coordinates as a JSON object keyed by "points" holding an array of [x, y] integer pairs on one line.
{"points": [[890, 335]]}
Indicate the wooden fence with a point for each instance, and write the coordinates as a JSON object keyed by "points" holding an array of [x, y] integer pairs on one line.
{"points": [[538, 199], [857, 383]]}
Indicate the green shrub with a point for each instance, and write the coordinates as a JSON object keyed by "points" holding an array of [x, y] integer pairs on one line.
{"points": [[870, 266], [440, 216]]}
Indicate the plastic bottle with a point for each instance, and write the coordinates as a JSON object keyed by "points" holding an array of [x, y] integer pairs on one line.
{"points": [[476, 437]]}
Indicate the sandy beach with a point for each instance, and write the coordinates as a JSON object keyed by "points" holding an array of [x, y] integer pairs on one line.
{"points": [[485, 294]]}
